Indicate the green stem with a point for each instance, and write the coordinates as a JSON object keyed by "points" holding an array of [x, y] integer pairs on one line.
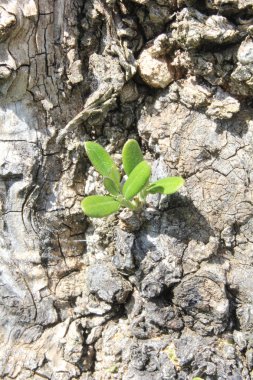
{"points": [[129, 204], [125, 203], [144, 193]]}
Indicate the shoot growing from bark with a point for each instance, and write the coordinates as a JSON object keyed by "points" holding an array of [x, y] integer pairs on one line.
{"points": [[133, 192]]}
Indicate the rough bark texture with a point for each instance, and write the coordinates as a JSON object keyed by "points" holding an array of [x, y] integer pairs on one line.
{"points": [[167, 294]]}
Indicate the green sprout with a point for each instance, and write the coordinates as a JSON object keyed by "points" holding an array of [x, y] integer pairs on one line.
{"points": [[133, 192]]}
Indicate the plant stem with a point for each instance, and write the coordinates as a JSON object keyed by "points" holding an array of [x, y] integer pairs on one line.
{"points": [[130, 205]]}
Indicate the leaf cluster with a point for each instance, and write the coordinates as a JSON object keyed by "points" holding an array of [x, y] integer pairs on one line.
{"points": [[130, 193]]}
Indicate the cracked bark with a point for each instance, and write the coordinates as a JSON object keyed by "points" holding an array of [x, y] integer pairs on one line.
{"points": [[162, 295]]}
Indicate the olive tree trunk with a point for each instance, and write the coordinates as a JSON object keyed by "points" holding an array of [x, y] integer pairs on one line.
{"points": [[163, 294]]}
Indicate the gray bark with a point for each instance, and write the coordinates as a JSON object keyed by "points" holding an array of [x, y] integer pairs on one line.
{"points": [[165, 294]]}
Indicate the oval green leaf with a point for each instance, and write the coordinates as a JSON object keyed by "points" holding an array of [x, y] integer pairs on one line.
{"points": [[166, 185], [131, 155], [101, 160], [137, 180], [111, 186], [114, 175], [98, 206]]}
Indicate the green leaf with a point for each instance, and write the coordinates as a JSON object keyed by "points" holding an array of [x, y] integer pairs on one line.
{"points": [[114, 175], [131, 155], [137, 180], [166, 185], [111, 186], [98, 206], [101, 160]]}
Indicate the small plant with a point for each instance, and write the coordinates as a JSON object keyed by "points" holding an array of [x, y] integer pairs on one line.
{"points": [[131, 193]]}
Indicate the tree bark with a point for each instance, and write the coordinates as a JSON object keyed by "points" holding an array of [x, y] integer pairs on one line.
{"points": [[165, 294]]}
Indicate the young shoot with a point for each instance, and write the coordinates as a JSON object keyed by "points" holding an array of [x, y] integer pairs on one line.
{"points": [[133, 192]]}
